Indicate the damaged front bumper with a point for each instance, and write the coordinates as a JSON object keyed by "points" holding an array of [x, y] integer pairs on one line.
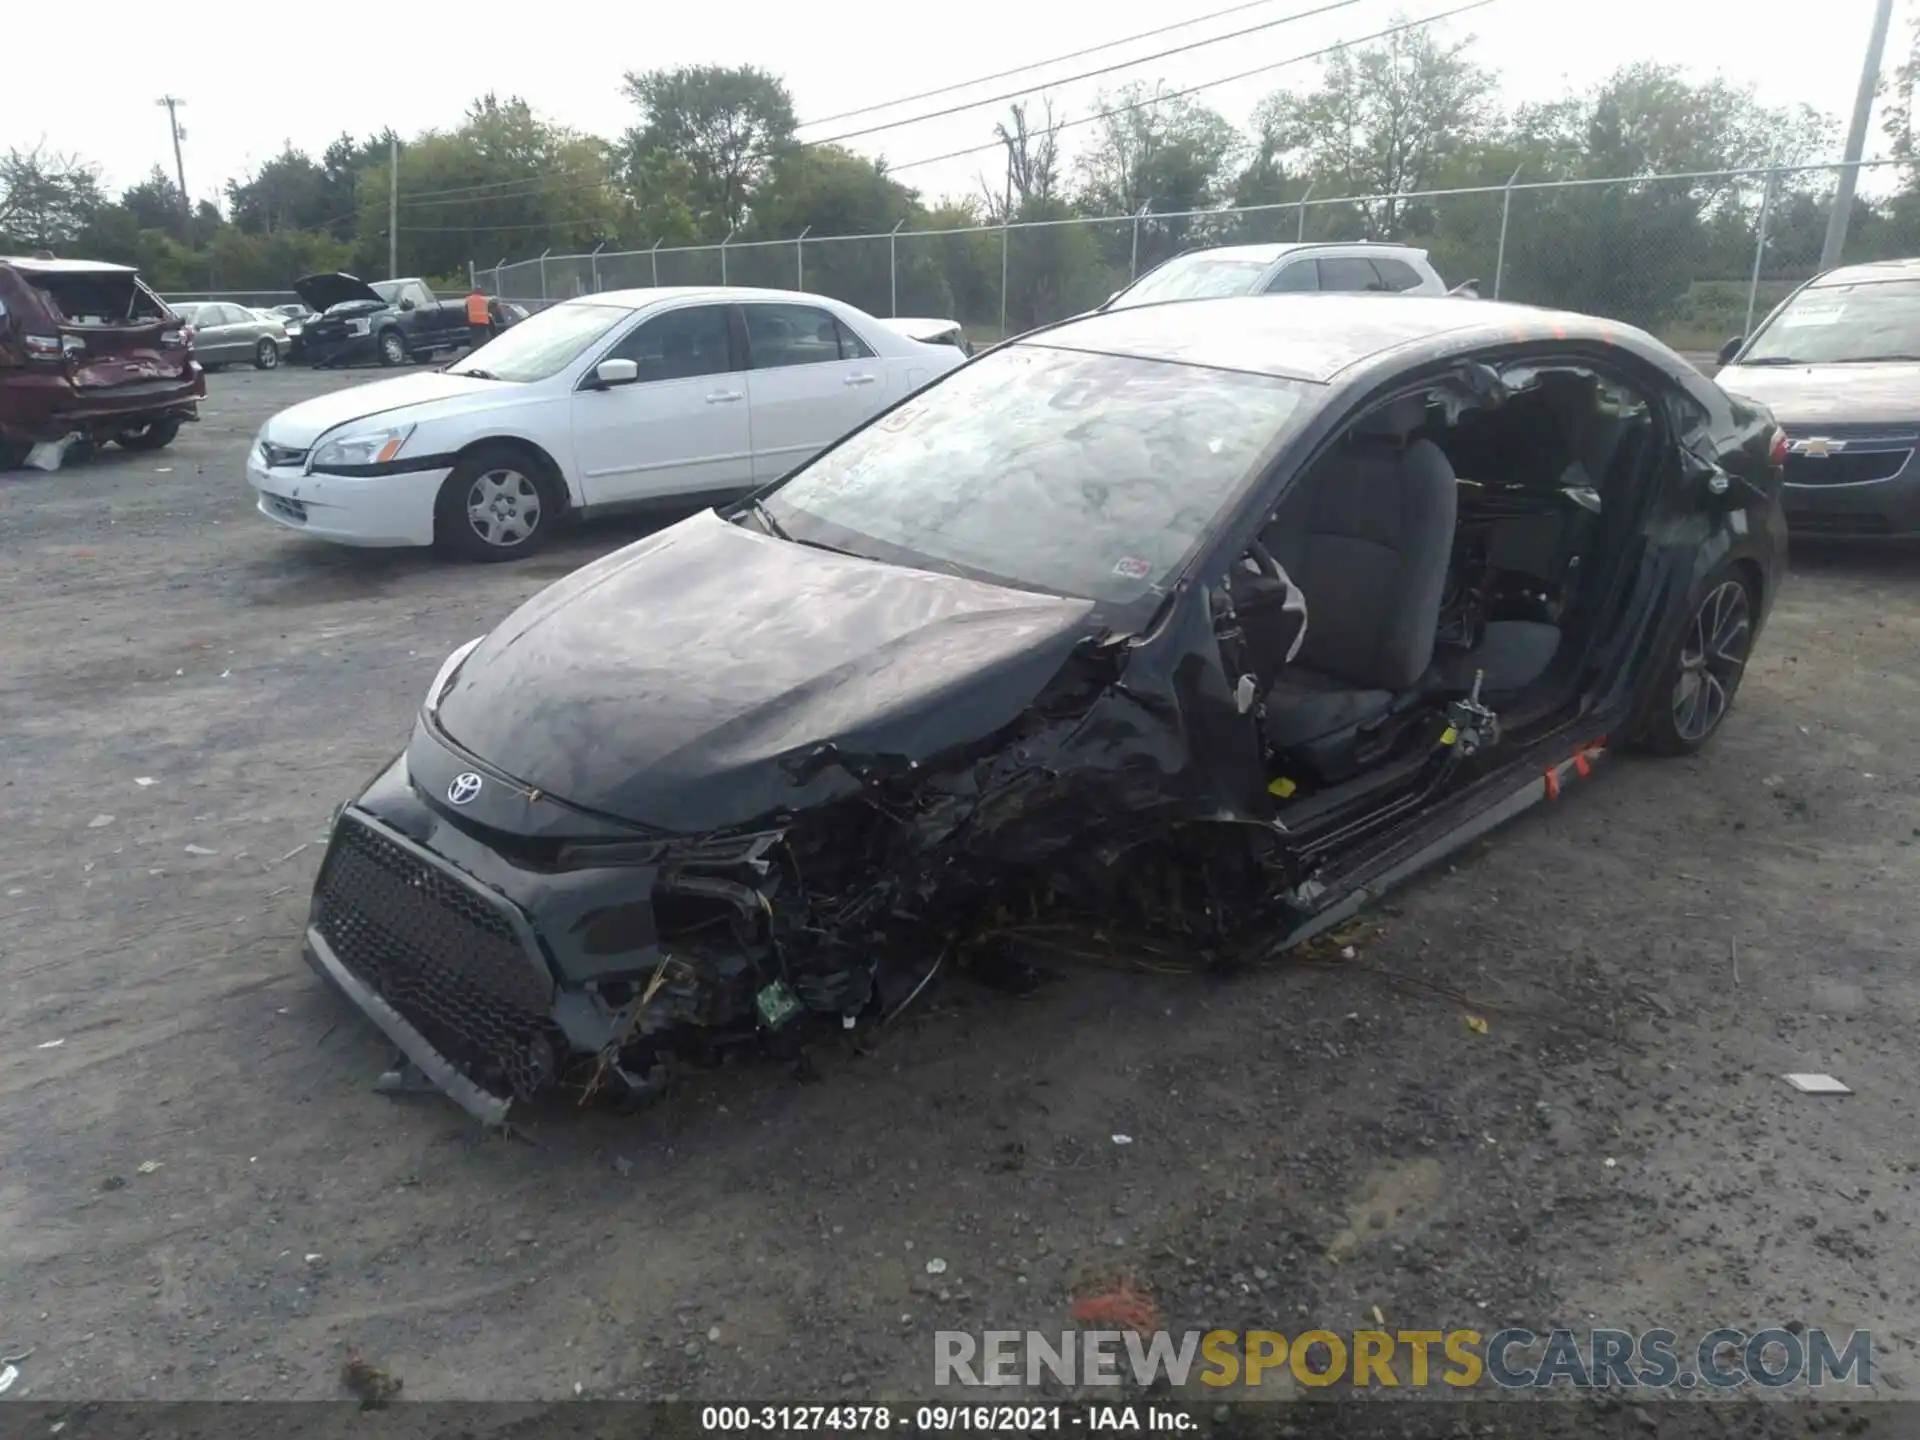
{"points": [[500, 973]]}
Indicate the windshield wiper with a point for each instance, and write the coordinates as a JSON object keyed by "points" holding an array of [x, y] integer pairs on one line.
{"points": [[476, 374], [1774, 360], [765, 517], [1875, 359]]}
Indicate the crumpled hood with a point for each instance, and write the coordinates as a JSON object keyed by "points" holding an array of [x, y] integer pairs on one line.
{"points": [[299, 426], [323, 292], [1811, 395], [681, 682]]}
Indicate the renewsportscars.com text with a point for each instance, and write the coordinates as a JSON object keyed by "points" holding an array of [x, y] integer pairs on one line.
{"points": [[1512, 1359]]}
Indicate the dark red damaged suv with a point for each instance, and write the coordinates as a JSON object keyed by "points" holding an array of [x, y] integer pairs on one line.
{"points": [[86, 349]]}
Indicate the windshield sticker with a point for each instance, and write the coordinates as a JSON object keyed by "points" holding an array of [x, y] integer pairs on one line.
{"points": [[1132, 567], [1813, 315]]}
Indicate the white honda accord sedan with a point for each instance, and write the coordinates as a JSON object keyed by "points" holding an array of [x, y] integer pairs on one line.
{"points": [[597, 404]]}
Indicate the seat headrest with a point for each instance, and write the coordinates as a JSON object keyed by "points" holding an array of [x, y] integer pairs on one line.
{"points": [[1395, 420]]}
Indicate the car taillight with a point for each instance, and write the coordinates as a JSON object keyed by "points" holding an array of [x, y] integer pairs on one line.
{"points": [[1777, 451]]}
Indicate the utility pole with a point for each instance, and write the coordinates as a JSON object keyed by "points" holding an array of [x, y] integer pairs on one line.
{"points": [[393, 206], [1837, 222], [173, 103]]}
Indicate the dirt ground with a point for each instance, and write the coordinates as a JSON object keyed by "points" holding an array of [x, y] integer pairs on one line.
{"points": [[201, 1196]]}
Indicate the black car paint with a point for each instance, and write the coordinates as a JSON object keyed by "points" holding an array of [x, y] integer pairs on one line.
{"points": [[1048, 734], [339, 297]]}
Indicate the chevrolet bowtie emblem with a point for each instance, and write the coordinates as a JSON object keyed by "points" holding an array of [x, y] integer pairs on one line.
{"points": [[1817, 447]]}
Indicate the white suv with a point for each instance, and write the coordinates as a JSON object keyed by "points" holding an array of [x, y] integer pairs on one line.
{"points": [[1280, 269]]}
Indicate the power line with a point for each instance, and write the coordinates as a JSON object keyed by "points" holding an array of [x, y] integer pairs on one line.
{"points": [[1035, 65], [790, 147], [1209, 85]]}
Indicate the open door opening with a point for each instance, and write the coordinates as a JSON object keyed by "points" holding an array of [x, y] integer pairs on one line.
{"points": [[1426, 593]]}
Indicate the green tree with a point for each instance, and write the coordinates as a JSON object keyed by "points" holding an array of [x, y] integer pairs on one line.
{"points": [[289, 192], [726, 122], [155, 204], [1385, 119], [1159, 149], [46, 199]]}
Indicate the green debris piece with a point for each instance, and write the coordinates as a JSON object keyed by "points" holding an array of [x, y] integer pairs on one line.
{"points": [[776, 1004]]}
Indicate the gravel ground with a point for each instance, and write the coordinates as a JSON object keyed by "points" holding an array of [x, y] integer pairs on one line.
{"points": [[202, 1197]]}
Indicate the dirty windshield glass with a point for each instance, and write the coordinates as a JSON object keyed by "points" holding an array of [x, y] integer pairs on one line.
{"points": [[1052, 470], [1839, 324], [1196, 278], [542, 344]]}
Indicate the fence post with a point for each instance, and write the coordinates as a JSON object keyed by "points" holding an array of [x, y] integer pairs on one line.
{"points": [[800, 260], [543, 271], [732, 230], [1301, 233], [1133, 265], [594, 260], [893, 273], [499, 285], [1759, 248], [1004, 233], [1506, 209], [654, 254], [473, 278]]}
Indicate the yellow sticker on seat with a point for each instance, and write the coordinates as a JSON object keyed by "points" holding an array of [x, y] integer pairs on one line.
{"points": [[1282, 787]]}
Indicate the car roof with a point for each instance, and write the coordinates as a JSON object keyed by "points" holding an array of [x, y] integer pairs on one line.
{"points": [[1267, 254], [1869, 273], [1309, 336], [636, 299], [65, 267]]}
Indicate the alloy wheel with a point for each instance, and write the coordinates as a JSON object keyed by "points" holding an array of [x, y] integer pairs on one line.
{"points": [[392, 347], [503, 506], [1711, 661]]}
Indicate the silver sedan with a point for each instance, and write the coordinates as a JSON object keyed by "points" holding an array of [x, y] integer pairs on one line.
{"points": [[228, 334]]}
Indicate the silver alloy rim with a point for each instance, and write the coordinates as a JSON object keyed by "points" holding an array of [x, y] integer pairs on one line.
{"points": [[1711, 659], [269, 356], [395, 351], [503, 506]]}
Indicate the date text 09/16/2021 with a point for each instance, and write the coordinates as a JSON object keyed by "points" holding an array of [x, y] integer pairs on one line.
{"points": [[943, 1419]]}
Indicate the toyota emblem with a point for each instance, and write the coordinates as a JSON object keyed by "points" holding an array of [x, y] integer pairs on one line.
{"points": [[464, 787]]}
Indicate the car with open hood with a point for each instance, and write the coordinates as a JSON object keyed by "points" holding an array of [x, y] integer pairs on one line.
{"points": [[390, 322], [603, 403], [1205, 621], [88, 354], [1838, 362]]}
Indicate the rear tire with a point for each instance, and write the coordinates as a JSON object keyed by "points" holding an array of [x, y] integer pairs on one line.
{"points": [[153, 435], [500, 503], [393, 348], [266, 356], [1703, 670]]}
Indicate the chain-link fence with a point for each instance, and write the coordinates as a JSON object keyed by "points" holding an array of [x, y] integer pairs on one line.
{"points": [[1694, 258]]}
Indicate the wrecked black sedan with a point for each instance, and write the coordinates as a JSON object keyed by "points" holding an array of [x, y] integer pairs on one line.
{"points": [[1210, 620]]}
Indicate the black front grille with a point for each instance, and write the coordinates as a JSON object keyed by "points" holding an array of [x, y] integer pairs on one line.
{"points": [[292, 510], [278, 455], [1800, 523], [443, 952], [1846, 467]]}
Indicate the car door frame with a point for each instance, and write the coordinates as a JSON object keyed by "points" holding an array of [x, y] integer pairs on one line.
{"points": [[587, 380]]}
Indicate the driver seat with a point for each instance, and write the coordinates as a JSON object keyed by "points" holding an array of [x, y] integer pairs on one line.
{"points": [[1371, 558]]}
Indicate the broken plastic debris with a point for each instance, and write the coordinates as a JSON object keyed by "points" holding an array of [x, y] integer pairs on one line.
{"points": [[144, 780], [99, 822], [1123, 1139], [1610, 1162], [1347, 952], [936, 1267], [1818, 1085], [1476, 1025], [200, 850], [7, 1377], [147, 1167], [1378, 1318], [51, 1044]]}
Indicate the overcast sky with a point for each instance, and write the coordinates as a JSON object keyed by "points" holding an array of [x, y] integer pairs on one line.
{"points": [[254, 76]]}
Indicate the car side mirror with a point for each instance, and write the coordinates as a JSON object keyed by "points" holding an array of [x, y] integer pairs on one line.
{"points": [[1730, 349], [609, 373], [406, 304]]}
